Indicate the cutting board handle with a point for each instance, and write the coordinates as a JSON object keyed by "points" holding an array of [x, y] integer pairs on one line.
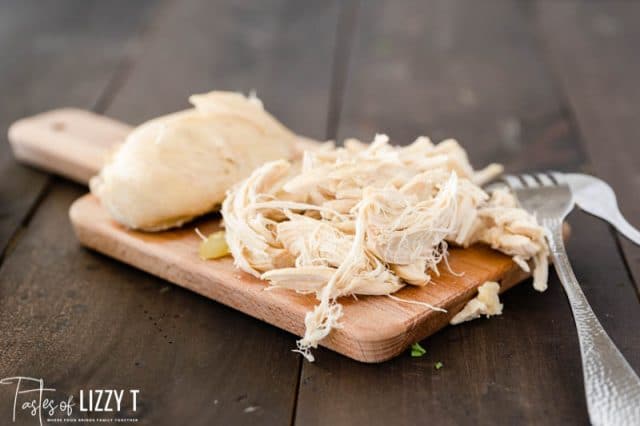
{"points": [[69, 142]]}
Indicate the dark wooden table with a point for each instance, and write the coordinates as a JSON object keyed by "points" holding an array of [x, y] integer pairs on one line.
{"points": [[535, 85]]}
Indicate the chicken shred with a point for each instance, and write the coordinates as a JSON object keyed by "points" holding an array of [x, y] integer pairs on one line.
{"points": [[487, 303], [368, 219]]}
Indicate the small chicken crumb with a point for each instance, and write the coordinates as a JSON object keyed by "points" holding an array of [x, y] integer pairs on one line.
{"points": [[487, 302], [214, 246]]}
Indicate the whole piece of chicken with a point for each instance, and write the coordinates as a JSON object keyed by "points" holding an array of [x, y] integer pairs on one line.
{"points": [[179, 166]]}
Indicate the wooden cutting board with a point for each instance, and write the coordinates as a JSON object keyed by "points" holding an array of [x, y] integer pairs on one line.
{"points": [[73, 143]]}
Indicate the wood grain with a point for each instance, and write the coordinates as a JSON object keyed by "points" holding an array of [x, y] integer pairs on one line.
{"points": [[594, 50], [446, 68], [221, 365], [49, 60], [80, 320], [281, 49]]}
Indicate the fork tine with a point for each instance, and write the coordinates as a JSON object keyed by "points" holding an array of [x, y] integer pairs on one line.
{"points": [[529, 181], [512, 181], [545, 179], [558, 177]]}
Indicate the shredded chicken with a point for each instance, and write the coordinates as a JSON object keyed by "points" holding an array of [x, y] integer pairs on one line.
{"points": [[487, 303], [369, 219]]}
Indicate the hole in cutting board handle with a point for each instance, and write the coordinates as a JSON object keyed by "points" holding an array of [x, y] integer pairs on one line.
{"points": [[58, 126]]}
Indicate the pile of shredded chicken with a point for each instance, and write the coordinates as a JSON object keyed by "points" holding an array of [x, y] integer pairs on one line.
{"points": [[369, 219]]}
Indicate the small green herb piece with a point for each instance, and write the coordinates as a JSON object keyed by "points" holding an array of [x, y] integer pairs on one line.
{"points": [[438, 365], [417, 350]]}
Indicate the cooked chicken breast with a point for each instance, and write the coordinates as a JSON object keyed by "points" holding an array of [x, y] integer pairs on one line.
{"points": [[176, 167]]}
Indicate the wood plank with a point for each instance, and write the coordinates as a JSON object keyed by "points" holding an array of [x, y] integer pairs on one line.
{"points": [[80, 320], [451, 69], [280, 48], [49, 59], [198, 362], [594, 50]]}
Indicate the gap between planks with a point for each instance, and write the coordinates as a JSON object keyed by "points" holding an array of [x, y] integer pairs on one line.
{"points": [[103, 101]]}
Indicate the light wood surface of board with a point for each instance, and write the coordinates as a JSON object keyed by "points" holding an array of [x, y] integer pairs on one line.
{"points": [[73, 143], [69, 142]]}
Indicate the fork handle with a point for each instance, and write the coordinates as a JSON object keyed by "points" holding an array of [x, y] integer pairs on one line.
{"points": [[612, 387], [611, 213], [626, 229]]}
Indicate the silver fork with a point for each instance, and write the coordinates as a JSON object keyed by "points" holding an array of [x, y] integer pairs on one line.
{"points": [[612, 388], [596, 197]]}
